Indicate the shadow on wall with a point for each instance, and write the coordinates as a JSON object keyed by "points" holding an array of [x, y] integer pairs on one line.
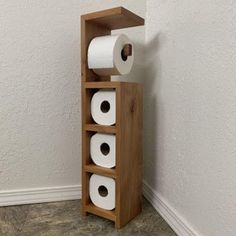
{"points": [[137, 72], [152, 109], [147, 70]]}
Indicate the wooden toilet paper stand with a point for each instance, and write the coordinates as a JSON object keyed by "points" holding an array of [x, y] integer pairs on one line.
{"points": [[129, 122]]}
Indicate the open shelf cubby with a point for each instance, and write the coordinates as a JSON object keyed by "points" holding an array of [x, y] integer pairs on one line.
{"points": [[128, 127], [110, 215]]}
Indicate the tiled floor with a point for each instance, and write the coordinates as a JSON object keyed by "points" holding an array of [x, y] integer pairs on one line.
{"points": [[64, 218]]}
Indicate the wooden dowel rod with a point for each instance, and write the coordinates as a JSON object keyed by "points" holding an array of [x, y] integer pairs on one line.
{"points": [[127, 50]]}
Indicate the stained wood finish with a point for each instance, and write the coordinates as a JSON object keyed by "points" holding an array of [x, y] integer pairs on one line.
{"points": [[127, 50], [128, 128], [114, 18], [92, 168], [129, 152], [110, 215], [107, 85], [100, 128], [99, 85], [99, 24]]}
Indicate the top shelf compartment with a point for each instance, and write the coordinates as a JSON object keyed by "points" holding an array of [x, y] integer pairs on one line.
{"points": [[114, 18]]}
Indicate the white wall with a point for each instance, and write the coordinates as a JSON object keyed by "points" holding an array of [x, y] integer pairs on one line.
{"points": [[190, 126], [40, 140], [190, 92]]}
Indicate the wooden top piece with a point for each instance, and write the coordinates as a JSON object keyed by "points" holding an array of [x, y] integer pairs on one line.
{"points": [[114, 18]]}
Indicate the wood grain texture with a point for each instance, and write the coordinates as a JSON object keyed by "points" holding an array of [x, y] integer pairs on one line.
{"points": [[114, 18], [110, 215], [101, 128], [129, 152], [105, 84], [127, 50], [92, 168], [88, 32], [128, 128]]}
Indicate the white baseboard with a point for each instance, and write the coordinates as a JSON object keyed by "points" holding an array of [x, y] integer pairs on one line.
{"points": [[168, 213], [39, 195], [62, 193]]}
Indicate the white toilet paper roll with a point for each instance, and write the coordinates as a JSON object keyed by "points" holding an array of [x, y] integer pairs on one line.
{"points": [[102, 191], [105, 55], [103, 107], [103, 149]]}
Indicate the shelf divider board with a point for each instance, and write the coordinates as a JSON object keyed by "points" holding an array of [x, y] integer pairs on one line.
{"points": [[128, 127], [105, 85], [92, 168], [100, 128]]}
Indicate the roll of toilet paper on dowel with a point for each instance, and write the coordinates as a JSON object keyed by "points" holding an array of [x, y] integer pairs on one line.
{"points": [[102, 191], [103, 107], [105, 55], [103, 149]]}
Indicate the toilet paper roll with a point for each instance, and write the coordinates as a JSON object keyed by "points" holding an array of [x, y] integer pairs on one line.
{"points": [[102, 191], [103, 107], [103, 149], [105, 55]]}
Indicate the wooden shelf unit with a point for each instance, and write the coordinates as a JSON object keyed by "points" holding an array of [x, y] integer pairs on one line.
{"points": [[128, 128]]}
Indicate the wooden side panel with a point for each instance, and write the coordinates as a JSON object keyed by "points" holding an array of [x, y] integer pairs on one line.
{"points": [[106, 84], [118, 154], [86, 97], [129, 169], [88, 32], [85, 175]]}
